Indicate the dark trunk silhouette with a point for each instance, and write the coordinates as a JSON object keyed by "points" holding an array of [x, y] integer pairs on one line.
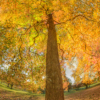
{"points": [[8, 85], [11, 85], [54, 88], [86, 86], [69, 87]]}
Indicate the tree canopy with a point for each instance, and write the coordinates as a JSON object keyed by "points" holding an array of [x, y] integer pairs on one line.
{"points": [[25, 28]]}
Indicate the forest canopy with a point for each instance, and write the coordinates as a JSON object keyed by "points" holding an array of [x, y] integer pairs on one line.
{"points": [[37, 38]]}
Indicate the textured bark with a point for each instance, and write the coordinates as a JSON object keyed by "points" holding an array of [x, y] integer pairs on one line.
{"points": [[54, 88]]}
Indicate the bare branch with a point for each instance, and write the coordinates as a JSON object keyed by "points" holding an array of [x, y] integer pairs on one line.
{"points": [[36, 35], [71, 19]]}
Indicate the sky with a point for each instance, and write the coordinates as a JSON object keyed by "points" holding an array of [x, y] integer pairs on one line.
{"points": [[69, 71]]}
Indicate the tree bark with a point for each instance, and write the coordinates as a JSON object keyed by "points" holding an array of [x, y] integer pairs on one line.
{"points": [[54, 87]]}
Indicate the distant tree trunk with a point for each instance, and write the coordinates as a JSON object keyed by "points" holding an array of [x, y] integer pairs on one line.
{"points": [[11, 85], [8, 85], [99, 75], [68, 89], [86, 86], [54, 87]]}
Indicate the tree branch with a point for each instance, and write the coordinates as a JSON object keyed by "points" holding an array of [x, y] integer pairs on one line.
{"points": [[71, 19]]}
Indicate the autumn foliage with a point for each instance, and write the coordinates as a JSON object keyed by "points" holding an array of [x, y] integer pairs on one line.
{"points": [[38, 37]]}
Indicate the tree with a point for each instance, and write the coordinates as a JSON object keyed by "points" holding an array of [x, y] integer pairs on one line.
{"points": [[67, 84], [53, 71], [83, 74], [86, 81], [44, 14]]}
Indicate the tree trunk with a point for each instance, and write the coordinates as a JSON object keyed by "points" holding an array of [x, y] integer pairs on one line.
{"points": [[11, 85], [54, 88], [8, 85], [86, 86], [68, 89]]}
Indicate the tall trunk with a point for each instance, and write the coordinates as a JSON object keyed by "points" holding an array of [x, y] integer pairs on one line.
{"points": [[54, 88]]}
